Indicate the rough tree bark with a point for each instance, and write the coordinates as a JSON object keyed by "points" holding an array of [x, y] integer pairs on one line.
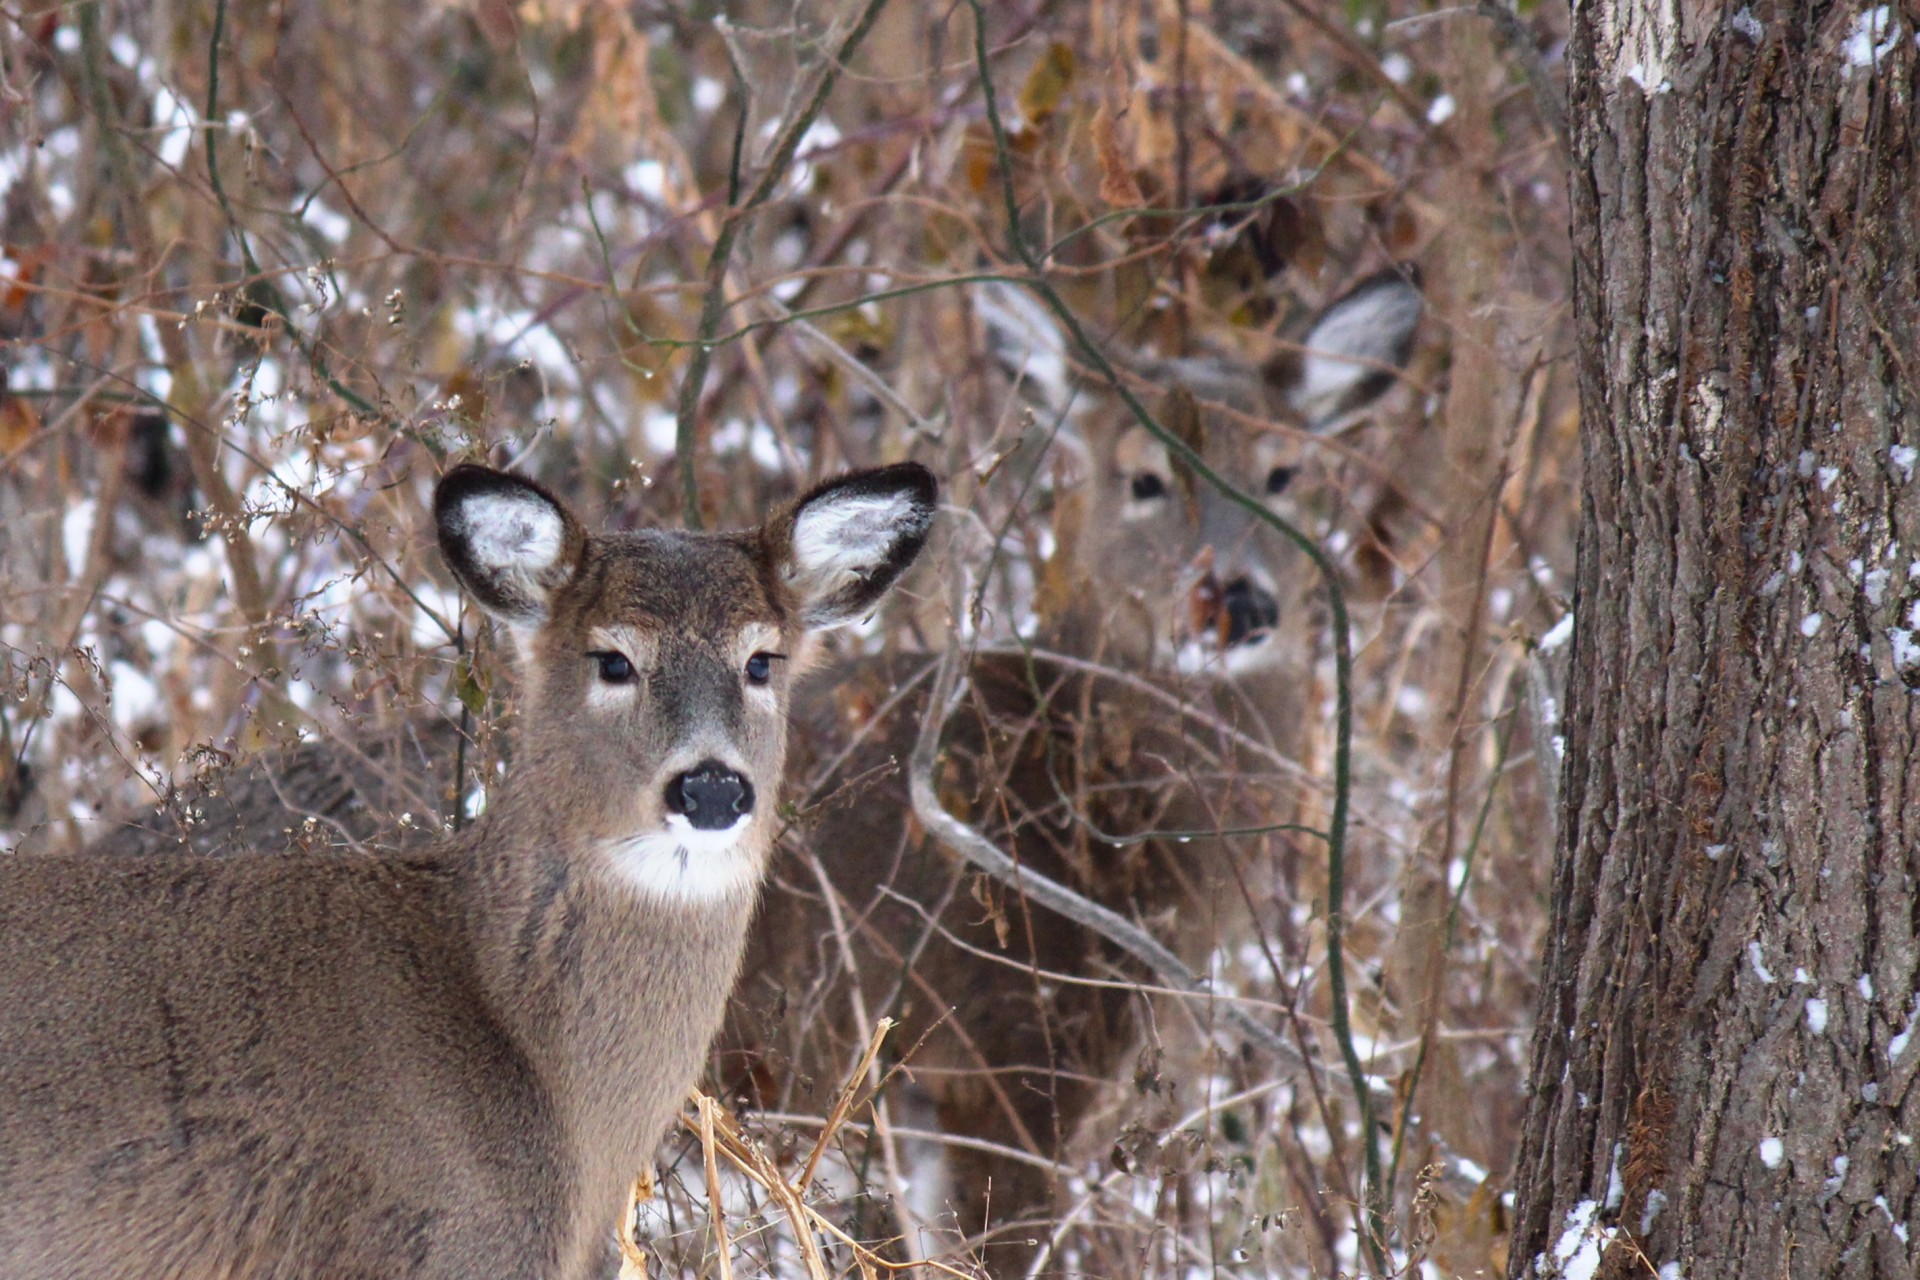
{"points": [[1724, 1064]]}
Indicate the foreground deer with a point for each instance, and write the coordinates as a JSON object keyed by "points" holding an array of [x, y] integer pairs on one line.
{"points": [[452, 1063]]}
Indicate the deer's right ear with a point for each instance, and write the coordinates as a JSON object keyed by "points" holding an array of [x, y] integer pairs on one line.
{"points": [[508, 541]]}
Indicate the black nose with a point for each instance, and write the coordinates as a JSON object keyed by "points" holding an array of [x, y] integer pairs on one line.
{"points": [[710, 796], [1250, 611]]}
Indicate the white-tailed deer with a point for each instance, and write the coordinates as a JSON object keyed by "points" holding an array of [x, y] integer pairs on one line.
{"points": [[1198, 608], [449, 1063]]}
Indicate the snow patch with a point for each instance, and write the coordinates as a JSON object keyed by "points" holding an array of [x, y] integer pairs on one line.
{"points": [[1648, 79], [332, 225], [1875, 33], [709, 95], [1898, 1045], [1757, 959], [1906, 650], [1874, 583], [1656, 1201], [1616, 1187], [1817, 1016], [1557, 637], [1581, 1244], [1772, 1151]]}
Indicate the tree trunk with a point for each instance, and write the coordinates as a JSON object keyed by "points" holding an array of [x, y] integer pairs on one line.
{"points": [[1725, 1055]]}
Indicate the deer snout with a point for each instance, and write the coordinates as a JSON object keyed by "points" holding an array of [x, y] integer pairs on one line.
{"points": [[711, 796], [1251, 610], [1235, 614]]}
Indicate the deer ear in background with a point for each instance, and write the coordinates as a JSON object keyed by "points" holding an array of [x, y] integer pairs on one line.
{"points": [[841, 546], [1353, 351], [509, 542]]}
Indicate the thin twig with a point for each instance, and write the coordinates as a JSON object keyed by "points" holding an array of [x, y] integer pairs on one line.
{"points": [[962, 840], [686, 428], [1518, 42], [844, 1103], [1467, 860]]}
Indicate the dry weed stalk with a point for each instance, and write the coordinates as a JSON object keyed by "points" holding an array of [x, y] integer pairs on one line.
{"points": [[723, 1142]]}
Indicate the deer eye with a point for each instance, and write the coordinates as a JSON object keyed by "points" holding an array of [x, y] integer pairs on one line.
{"points": [[1278, 479], [614, 667], [1148, 486], [760, 667]]}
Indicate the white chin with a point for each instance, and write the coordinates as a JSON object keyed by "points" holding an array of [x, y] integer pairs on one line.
{"points": [[1210, 662], [686, 864]]}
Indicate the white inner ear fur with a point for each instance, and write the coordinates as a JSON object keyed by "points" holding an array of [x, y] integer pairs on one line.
{"points": [[512, 532], [836, 539], [1356, 338], [514, 537]]}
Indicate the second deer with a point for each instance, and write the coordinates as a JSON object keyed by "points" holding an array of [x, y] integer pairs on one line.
{"points": [[1164, 702]]}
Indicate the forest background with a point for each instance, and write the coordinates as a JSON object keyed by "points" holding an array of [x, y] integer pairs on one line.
{"points": [[269, 267]]}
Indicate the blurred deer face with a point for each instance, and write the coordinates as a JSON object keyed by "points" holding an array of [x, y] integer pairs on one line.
{"points": [[658, 665], [1196, 577], [1187, 574]]}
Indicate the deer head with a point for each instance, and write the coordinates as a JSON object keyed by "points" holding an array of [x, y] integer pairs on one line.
{"points": [[1185, 574], [657, 666]]}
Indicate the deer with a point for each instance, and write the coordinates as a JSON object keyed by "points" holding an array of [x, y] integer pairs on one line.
{"points": [[1173, 662], [1158, 579], [446, 1061]]}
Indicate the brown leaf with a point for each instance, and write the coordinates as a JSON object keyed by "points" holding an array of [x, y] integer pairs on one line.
{"points": [[984, 895], [1117, 184], [1047, 84], [496, 22], [18, 420]]}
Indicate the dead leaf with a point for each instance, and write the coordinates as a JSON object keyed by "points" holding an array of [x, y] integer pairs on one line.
{"points": [[1118, 186], [19, 422], [1047, 84], [984, 895]]}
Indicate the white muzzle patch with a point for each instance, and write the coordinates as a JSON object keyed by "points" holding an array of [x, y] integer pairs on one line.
{"points": [[686, 865], [1207, 660]]}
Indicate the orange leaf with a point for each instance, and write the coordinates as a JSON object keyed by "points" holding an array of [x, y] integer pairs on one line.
{"points": [[18, 423]]}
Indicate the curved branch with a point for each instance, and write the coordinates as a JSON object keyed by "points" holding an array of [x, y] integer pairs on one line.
{"points": [[963, 841]]}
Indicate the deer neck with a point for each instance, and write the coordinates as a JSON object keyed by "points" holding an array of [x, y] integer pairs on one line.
{"points": [[612, 995]]}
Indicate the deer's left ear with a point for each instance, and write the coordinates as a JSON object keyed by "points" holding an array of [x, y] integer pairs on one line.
{"points": [[840, 547], [1354, 351]]}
